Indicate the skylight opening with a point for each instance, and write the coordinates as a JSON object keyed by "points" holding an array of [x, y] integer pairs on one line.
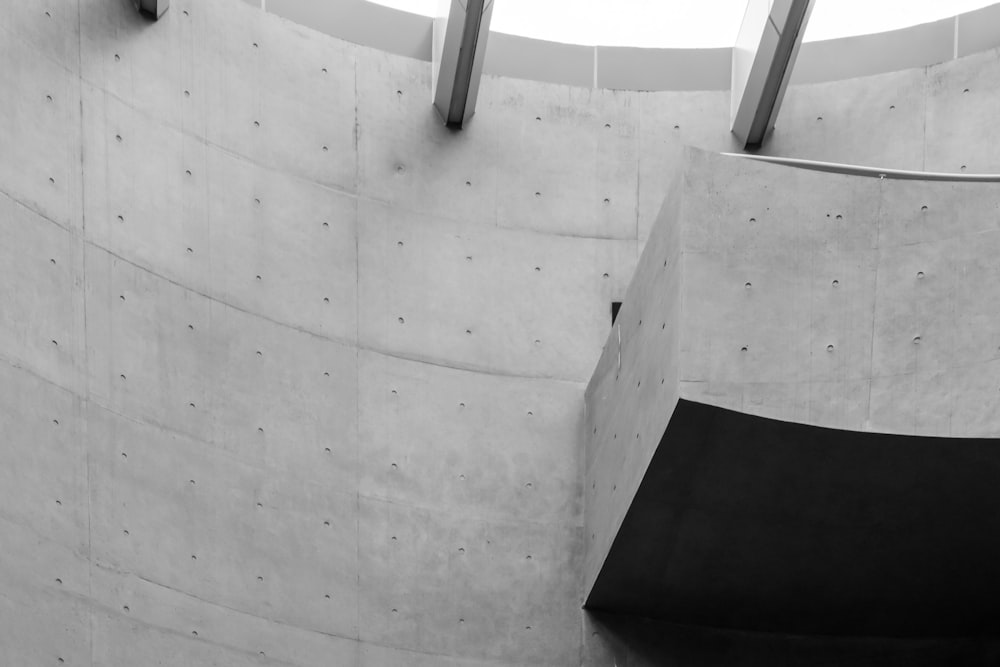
{"points": [[689, 23]]}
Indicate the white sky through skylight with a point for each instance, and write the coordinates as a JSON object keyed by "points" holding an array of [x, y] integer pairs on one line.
{"points": [[689, 23]]}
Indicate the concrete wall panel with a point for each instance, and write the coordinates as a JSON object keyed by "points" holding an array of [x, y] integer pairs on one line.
{"points": [[41, 141], [42, 325], [958, 99], [873, 124], [425, 589], [275, 394], [493, 300]]}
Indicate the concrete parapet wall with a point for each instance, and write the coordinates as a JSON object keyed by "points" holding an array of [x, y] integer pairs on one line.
{"points": [[834, 300]]}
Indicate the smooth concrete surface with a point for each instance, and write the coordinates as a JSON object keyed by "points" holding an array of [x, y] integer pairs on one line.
{"points": [[263, 315], [841, 301]]}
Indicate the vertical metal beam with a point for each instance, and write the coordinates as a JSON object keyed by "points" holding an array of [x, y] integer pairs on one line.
{"points": [[763, 58], [459, 52], [154, 9]]}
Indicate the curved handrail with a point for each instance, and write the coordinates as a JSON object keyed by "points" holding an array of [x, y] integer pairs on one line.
{"points": [[871, 172]]}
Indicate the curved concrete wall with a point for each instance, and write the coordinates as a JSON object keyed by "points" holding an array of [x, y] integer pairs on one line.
{"points": [[294, 375]]}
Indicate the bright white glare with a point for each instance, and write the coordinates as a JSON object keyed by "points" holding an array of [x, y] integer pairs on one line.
{"points": [[689, 23]]}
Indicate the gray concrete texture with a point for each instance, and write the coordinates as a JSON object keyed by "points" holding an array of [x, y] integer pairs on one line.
{"points": [[294, 375], [843, 301]]}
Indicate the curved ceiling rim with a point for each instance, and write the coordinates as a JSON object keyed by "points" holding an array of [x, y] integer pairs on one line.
{"points": [[644, 69]]}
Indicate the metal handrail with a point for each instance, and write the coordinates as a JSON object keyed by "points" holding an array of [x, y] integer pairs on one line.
{"points": [[871, 172]]}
